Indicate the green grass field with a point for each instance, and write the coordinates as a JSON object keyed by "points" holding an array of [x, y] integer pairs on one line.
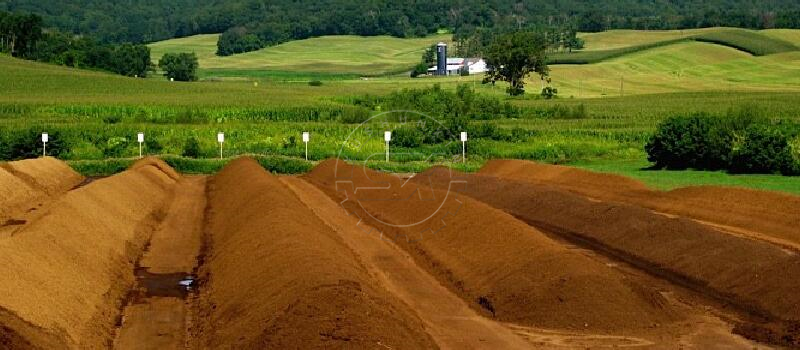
{"points": [[668, 180], [345, 54], [683, 66], [624, 38], [262, 109]]}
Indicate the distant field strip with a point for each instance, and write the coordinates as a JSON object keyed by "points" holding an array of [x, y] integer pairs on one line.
{"points": [[616, 43], [683, 66], [343, 54]]}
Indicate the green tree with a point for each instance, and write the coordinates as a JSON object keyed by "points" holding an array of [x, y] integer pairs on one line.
{"points": [[179, 66], [514, 56], [131, 60]]}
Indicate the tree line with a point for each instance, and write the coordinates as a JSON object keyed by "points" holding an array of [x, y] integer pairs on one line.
{"points": [[251, 24], [23, 36]]}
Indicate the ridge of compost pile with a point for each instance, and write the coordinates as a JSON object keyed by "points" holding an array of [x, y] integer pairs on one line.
{"points": [[750, 274], [772, 214], [62, 276], [499, 265], [26, 181], [275, 276]]}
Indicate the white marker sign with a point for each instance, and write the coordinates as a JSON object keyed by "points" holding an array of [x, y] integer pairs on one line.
{"points": [[45, 138], [387, 136], [220, 139], [306, 138], [463, 146], [140, 138]]}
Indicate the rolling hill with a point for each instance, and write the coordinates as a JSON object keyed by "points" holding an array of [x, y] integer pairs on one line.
{"points": [[683, 66], [343, 54]]}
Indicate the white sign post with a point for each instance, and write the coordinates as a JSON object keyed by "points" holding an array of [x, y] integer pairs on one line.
{"points": [[220, 139], [463, 146], [306, 138], [45, 138], [140, 138], [387, 136]]}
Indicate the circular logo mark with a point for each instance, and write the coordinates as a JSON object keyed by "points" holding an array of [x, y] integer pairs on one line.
{"points": [[375, 171]]}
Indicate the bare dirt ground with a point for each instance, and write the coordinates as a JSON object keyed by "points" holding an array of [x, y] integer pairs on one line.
{"points": [[157, 316], [760, 215], [451, 323], [277, 262]]}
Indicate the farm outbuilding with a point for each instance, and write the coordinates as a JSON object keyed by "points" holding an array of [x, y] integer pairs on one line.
{"points": [[455, 65]]}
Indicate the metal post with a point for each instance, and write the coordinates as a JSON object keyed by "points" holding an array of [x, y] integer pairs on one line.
{"points": [[44, 149], [463, 152], [306, 150], [220, 150], [387, 151], [140, 150]]}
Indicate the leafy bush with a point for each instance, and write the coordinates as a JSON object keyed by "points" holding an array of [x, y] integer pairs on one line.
{"points": [[549, 93], [442, 104], [152, 146], [115, 147], [742, 142], [764, 150], [315, 83], [698, 142], [408, 137], [24, 144], [192, 148]]}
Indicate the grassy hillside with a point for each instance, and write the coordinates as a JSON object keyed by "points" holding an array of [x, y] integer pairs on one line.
{"points": [[344, 54], [616, 39], [684, 66], [31, 83], [618, 43]]}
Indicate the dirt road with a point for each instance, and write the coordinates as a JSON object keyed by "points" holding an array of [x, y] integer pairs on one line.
{"points": [[451, 323], [157, 313]]}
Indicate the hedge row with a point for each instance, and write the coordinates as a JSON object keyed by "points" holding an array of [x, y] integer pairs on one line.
{"points": [[739, 144]]}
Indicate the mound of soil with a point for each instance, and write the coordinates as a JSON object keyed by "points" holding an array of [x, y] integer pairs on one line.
{"points": [[157, 163], [26, 181], [13, 193], [47, 174], [62, 277], [276, 276], [587, 182], [751, 274], [772, 214], [499, 265]]}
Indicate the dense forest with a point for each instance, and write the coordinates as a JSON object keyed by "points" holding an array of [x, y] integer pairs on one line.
{"points": [[23, 36], [250, 24]]}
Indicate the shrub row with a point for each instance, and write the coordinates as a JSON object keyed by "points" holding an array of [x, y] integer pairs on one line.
{"points": [[744, 143], [107, 167]]}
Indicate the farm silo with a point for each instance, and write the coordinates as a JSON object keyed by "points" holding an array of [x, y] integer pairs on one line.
{"points": [[441, 59]]}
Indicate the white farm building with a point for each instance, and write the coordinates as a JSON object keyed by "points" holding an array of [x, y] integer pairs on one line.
{"points": [[455, 65]]}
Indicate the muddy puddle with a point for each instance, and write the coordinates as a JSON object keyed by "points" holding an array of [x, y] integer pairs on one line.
{"points": [[175, 285]]}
